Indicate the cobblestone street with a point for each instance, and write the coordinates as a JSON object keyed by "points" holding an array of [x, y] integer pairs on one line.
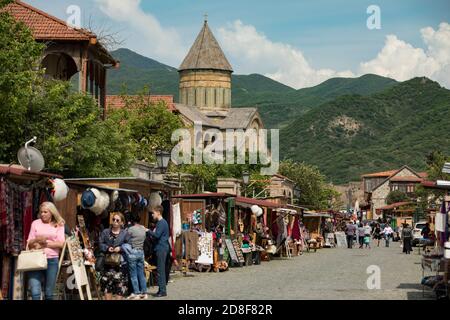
{"points": [[327, 274]]}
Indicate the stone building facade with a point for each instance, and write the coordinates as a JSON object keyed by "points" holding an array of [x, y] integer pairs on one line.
{"points": [[404, 179]]}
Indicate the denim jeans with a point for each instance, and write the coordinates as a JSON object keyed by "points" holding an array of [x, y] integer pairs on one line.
{"points": [[161, 256], [48, 277], [387, 240], [137, 272]]}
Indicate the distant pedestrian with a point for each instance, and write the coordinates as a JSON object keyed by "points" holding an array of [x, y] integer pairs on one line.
{"points": [[350, 230], [367, 233], [407, 239], [377, 233], [399, 231], [361, 235], [387, 231], [426, 231]]}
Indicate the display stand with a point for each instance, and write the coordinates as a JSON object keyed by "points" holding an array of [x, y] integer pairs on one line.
{"points": [[72, 245], [235, 259], [87, 245]]}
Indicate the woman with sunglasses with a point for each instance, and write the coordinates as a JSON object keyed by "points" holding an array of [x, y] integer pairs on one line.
{"points": [[114, 276]]}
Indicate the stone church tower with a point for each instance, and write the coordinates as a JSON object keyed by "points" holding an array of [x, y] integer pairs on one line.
{"points": [[205, 75]]}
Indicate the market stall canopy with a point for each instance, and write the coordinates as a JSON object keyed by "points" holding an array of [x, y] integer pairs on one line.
{"points": [[316, 215], [298, 208], [203, 195], [128, 180], [439, 184], [286, 211], [106, 188], [20, 171], [248, 202]]}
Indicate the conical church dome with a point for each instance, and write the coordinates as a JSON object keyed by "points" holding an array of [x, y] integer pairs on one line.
{"points": [[205, 53], [205, 75]]}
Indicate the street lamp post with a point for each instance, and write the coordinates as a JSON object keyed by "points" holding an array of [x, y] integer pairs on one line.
{"points": [[245, 181], [162, 160]]}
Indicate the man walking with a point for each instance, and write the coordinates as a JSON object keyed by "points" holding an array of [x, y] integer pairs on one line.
{"points": [[161, 235], [350, 231]]}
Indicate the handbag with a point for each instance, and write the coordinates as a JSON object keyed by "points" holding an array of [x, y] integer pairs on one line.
{"points": [[113, 259], [32, 260]]}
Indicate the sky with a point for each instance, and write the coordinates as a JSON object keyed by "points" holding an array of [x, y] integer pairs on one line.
{"points": [[300, 43]]}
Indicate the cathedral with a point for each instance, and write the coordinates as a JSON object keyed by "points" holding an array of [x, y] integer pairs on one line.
{"points": [[205, 88]]}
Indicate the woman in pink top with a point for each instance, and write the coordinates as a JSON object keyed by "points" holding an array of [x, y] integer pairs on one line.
{"points": [[47, 232]]}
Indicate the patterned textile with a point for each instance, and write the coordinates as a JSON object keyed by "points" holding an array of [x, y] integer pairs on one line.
{"points": [[114, 281], [27, 198]]}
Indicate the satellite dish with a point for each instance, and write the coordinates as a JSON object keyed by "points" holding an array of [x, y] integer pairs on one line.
{"points": [[30, 157]]}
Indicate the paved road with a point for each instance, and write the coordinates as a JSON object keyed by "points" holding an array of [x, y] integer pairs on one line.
{"points": [[327, 274]]}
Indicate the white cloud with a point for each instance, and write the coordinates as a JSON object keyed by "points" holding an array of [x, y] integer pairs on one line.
{"points": [[252, 52], [402, 61], [148, 35]]}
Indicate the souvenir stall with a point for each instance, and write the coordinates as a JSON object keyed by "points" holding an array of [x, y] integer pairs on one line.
{"points": [[199, 235], [436, 262], [314, 223], [251, 230], [21, 193], [285, 223], [91, 202]]}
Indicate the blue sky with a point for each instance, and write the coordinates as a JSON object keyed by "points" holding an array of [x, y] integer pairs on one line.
{"points": [[300, 43]]}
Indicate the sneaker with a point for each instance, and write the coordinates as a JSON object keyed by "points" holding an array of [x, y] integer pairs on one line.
{"points": [[133, 296], [143, 296]]}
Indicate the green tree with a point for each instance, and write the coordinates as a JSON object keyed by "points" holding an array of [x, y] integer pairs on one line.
{"points": [[71, 135], [427, 198], [150, 125], [396, 196], [19, 64], [315, 193]]}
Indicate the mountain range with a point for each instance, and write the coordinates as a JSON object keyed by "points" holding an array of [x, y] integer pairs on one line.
{"points": [[345, 126]]}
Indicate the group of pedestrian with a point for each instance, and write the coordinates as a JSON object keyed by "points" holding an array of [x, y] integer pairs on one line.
{"points": [[364, 232], [361, 231], [122, 258]]}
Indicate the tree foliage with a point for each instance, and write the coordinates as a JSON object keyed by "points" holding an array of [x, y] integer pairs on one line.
{"points": [[150, 125], [396, 196], [70, 133], [315, 193]]}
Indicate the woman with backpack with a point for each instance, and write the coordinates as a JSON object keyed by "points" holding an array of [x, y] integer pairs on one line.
{"points": [[407, 239]]}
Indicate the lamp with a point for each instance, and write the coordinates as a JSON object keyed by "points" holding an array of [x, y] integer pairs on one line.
{"points": [[246, 177], [162, 159]]}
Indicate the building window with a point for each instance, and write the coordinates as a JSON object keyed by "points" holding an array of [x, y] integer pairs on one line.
{"points": [[410, 188]]}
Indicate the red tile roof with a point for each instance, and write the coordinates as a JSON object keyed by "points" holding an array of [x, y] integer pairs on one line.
{"points": [[117, 102], [380, 174], [406, 179], [423, 174], [45, 26], [395, 205]]}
